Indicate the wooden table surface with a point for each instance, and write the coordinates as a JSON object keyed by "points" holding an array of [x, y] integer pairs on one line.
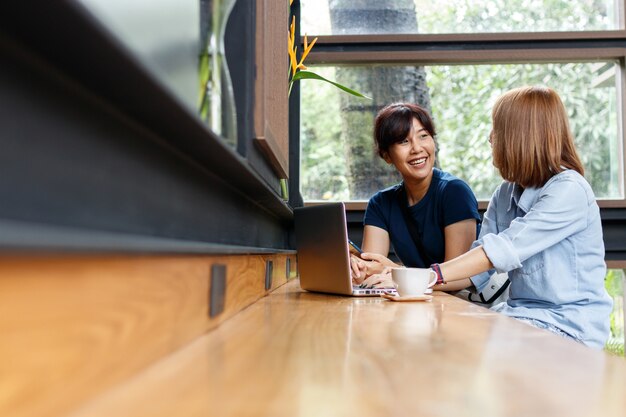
{"points": [[296, 353]]}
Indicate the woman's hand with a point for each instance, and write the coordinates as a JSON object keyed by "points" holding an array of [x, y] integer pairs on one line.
{"points": [[377, 262], [358, 268], [381, 280], [369, 264]]}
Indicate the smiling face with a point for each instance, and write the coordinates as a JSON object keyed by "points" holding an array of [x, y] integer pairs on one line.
{"points": [[413, 157]]}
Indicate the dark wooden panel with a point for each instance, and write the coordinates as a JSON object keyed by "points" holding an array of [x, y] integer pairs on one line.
{"points": [[70, 159], [65, 36], [92, 141]]}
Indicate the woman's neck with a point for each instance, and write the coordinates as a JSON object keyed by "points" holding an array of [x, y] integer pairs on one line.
{"points": [[417, 189]]}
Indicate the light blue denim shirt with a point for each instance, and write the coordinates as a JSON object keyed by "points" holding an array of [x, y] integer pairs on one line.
{"points": [[549, 240]]}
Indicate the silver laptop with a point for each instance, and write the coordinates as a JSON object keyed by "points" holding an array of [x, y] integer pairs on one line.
{"points": [[323, 252]]}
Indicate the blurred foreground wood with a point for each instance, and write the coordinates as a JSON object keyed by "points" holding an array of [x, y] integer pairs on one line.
{"points": [[72, 327]]}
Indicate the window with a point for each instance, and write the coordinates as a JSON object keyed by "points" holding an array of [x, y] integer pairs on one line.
{"points": [[339, 162], [465, 54], [457, 16]]}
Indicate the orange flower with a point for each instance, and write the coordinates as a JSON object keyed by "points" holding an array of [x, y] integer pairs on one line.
{"points": [[307, 49], [294, 65], [291, 48]]}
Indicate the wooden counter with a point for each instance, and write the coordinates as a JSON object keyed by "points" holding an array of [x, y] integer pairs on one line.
{"points": [[295, 353]]}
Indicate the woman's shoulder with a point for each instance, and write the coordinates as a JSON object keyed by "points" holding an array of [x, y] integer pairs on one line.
{"points": [[567, 175], [380, 206], [451, 184], [569, 183], [445, 178], [385, 195]]}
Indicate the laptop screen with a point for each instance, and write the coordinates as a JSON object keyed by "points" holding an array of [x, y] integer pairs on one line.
{"points": [[322, 244]]}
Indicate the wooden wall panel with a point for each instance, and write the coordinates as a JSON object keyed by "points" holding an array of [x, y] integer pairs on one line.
{"points": [[71, 327], [271, 108]]}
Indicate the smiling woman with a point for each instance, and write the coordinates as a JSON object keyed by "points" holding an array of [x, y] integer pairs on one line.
{"points": [[414, 158], [430, 216]]}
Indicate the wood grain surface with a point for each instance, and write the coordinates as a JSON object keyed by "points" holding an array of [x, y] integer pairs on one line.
{"points": [[304, 354], [71, 327]]}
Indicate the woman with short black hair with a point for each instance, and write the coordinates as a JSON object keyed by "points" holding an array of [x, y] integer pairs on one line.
{"points": [[431, 216]]}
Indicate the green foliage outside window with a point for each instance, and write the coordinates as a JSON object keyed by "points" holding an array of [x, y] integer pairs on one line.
{"points": [[462, 97], [614, 283], [461, 100], [482, 16], [471, 16]]}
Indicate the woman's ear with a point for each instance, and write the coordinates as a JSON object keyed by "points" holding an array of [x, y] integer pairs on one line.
{"points": [[386, 157]]}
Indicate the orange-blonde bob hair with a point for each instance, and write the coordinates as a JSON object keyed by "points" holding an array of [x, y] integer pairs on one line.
{"points": [[531, 138]]}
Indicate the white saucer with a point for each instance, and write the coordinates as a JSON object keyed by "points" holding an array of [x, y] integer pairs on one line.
{"points": [[413, 298]]}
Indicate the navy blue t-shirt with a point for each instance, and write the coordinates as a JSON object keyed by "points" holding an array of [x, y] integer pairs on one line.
{"points": [[447, 201]]}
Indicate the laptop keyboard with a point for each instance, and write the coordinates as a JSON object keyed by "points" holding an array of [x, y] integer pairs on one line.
{"points": [[372, 291]]}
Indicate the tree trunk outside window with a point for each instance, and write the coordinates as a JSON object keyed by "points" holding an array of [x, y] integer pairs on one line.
{"points": [[367, 172]]}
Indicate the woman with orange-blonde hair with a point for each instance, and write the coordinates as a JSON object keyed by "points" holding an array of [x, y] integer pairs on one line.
{"points": [[542, 225]]}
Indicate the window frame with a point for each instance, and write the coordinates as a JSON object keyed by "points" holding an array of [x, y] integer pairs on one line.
{"points": [[271, 104]]}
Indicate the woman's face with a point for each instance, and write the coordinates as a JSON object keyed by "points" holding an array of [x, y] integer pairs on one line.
{"points": [[493, 151], [414, 157]]}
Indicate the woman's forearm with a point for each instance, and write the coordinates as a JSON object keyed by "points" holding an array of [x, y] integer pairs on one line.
{"points": [[469, 264], [453, 286]]}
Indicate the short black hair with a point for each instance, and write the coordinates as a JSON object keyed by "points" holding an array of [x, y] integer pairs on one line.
{"points": [[393, 124]]}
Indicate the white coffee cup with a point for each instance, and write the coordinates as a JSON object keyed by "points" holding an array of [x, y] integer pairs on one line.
{"points": [[412, 282]]}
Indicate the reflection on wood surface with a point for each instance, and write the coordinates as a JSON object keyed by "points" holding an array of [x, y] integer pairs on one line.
{"points": [[304, 354]]}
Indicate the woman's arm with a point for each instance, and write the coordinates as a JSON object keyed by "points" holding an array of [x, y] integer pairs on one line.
{"points": [[375, 240], [458, 269], [470, 263], [375, 248], [458, 237], [557, 213]]}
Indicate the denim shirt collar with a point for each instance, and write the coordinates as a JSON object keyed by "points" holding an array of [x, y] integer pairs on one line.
{"points": [[523, 198]]}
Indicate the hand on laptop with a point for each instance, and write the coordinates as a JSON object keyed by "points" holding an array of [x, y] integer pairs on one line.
{"points": [[382, 280], [367, 265], [358, 269]]}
